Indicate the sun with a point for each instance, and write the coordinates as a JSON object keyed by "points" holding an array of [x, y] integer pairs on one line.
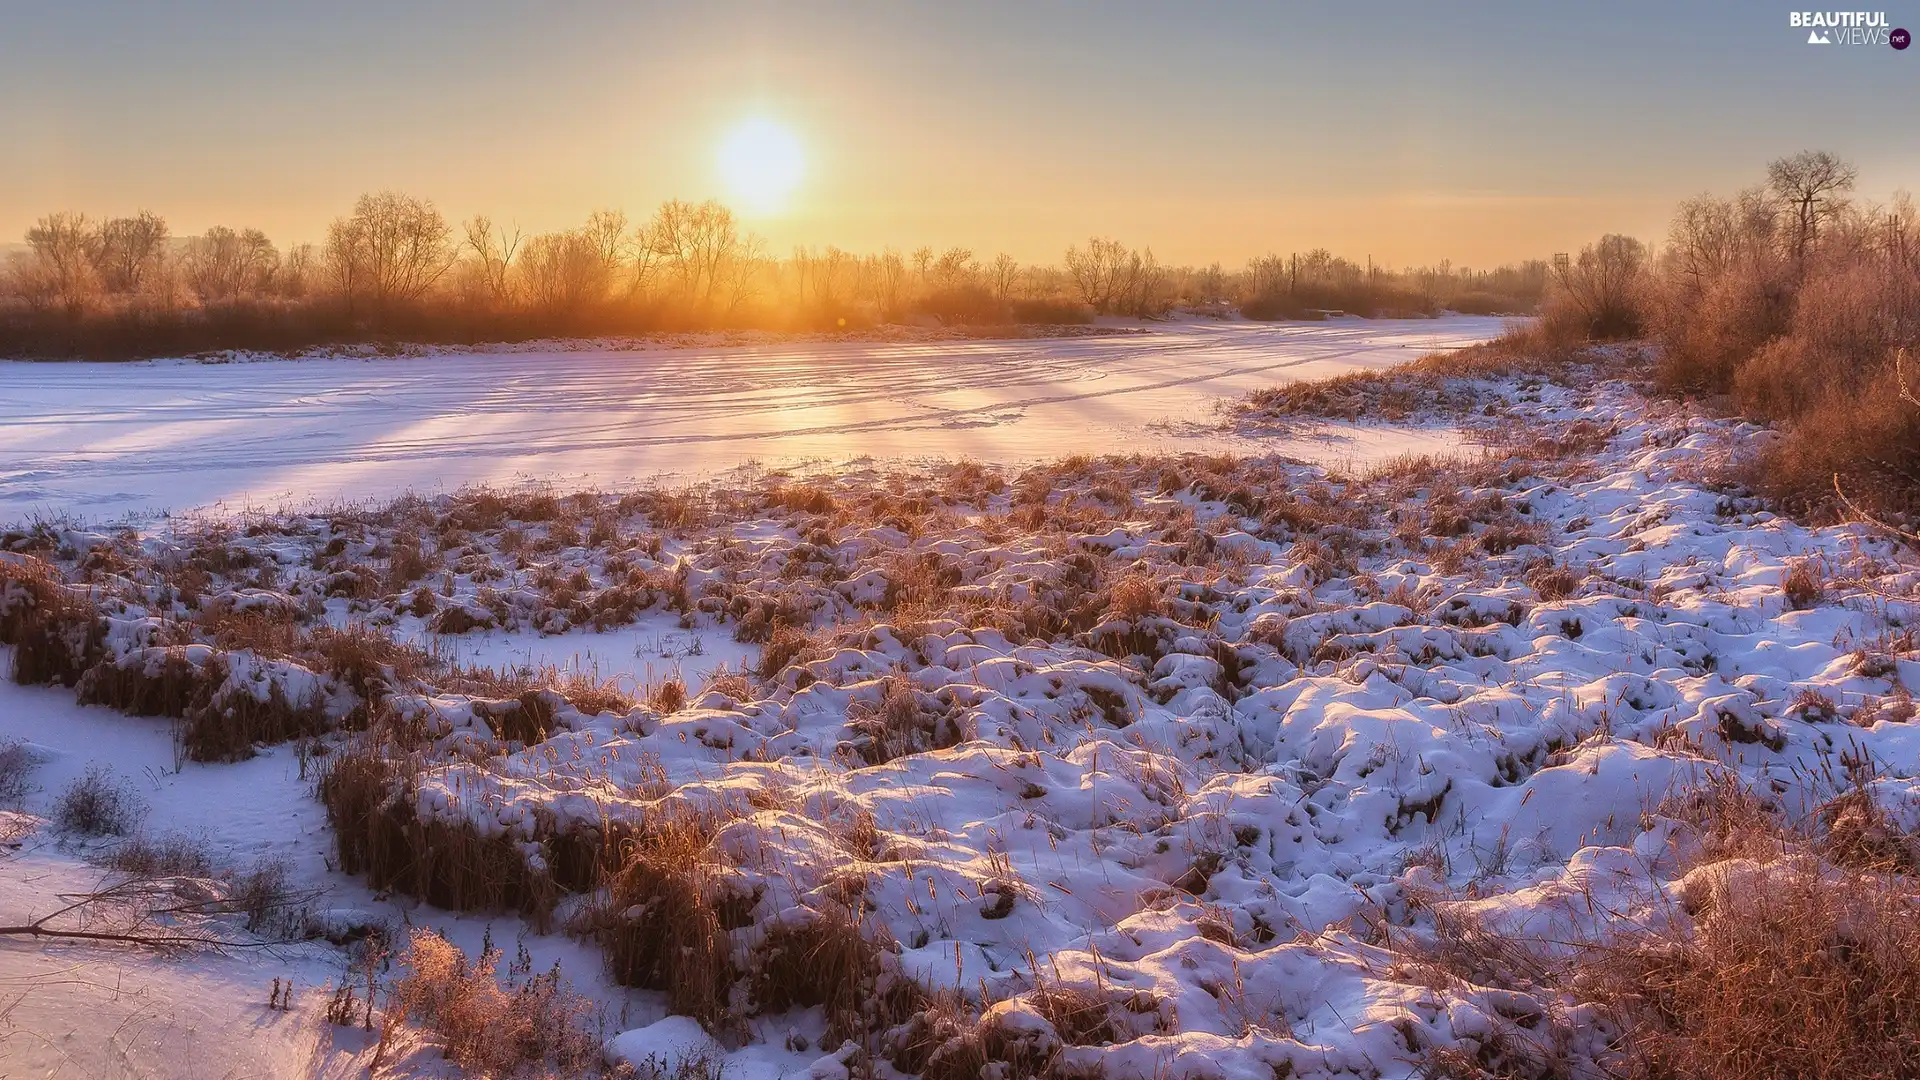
{"points": [[761, 162]]}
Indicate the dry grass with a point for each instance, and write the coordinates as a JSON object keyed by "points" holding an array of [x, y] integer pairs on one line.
{"points": [[789, 646], [830, 960], [1804, 974], [1553, 582], [1136, 596], [903, 720], [1804, 584], [1792, 956], [233, 718], [665, 919], [538, 1026], [55, 631], [367, 789]]}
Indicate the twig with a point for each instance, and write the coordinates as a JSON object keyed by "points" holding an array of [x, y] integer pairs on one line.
{"points": [[1911, 538]]}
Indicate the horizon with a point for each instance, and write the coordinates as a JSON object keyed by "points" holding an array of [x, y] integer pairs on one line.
{"points": [[992, 128]]}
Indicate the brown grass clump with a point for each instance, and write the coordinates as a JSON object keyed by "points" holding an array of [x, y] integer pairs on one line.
{"points": [[788, 646], [147, 684], [829, 960], [1861, 836], [369, 795], [498, 1031], [904, 720], [1135, 596], [1553, 582], [1803, 583], [803, 499], [56, 633], [261, 633], [368, 661], [665, 921], [670, 696], [725, 680], [234, 719], [1798, 973], [1790, 957]]}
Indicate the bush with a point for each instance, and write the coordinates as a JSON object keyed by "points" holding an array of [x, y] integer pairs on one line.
{"points": [[539, 1025], [16, 765], [173, 855], [98, 804], [1866, 441]]}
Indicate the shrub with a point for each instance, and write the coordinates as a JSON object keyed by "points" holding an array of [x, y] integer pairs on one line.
{"points": [[98, 804], [172, 855], [539, 1025], [16, 766], [264, 894]]}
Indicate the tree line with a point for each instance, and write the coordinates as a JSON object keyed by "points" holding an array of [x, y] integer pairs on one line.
{"points": [[395, 267]]}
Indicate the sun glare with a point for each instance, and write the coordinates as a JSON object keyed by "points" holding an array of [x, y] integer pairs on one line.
{"points": [[761, 163]]}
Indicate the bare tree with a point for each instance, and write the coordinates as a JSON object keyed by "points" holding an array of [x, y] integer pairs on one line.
{"points": [[607, 229], [297, 268], [493, 251], [129, 248], [694, 244], [564, 271], [1814, 185], [954, 268], [390, 250], [1266, 276], [740, 272], [1110, 278], [1001, 277], [885, 277], [61, 271], [223, 265], [1604, 285]]}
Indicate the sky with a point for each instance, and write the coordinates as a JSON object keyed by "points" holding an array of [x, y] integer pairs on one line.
{"points": [[1407, 132]]}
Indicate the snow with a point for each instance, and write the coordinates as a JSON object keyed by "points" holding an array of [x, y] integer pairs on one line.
{"points": [[1201, 835], [105, 440]]}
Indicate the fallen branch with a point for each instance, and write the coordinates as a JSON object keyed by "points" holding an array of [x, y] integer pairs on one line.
{"points": [[1855, 509], [137, 896]]}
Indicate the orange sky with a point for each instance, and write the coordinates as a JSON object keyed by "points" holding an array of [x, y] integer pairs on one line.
{"points": [[1215, 132]]}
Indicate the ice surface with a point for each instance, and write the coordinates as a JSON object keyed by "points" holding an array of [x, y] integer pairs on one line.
{"points": [[104, 440]]}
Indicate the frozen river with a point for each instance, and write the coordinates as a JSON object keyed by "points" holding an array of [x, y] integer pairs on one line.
{"points": [[105, 440]]}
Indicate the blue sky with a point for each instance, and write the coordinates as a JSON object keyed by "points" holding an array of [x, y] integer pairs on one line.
{"points": [[1411, 132]]}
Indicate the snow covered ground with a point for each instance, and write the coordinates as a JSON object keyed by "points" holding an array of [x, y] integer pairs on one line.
{"points": [[105, 440], [1138, 768]]}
